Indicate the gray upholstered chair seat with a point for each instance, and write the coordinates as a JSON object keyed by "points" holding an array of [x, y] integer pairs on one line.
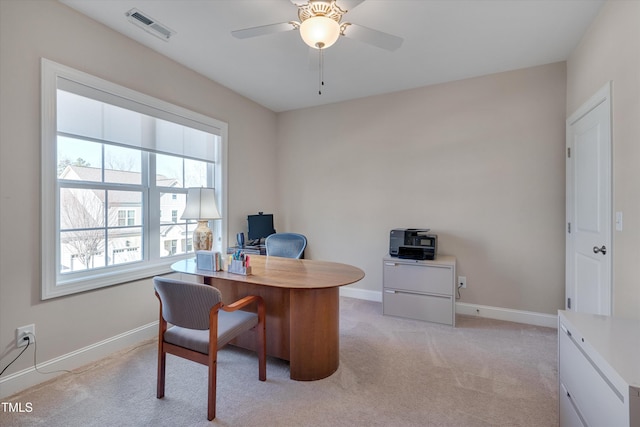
{"points": [[230, 325]]}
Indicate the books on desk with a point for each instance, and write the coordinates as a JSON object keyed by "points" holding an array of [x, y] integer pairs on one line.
{"points": [[209, 260]]}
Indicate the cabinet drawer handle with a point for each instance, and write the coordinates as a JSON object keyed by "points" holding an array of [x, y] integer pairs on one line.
{"points": [[396, 264], [422, 294], [436, 296]]}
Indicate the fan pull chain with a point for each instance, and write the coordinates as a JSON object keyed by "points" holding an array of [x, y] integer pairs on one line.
{"points": [[320, 68]]}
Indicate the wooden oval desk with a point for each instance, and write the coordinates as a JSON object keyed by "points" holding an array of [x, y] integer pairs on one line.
{"points": [[302, 304]]}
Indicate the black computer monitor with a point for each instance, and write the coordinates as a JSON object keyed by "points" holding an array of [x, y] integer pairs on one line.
{"points": [[260, 226]]}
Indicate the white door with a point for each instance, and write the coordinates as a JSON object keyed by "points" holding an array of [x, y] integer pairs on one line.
{"points": [[588, 257]]}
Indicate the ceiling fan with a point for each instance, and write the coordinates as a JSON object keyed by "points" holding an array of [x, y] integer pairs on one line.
{"points": [[321, 25]]}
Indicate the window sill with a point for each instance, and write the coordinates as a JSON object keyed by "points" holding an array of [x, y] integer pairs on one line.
{"points": [[105, 279]]}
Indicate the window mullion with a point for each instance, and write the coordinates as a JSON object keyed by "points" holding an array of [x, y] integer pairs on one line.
{"points": [[106, 228], [151, 211]]}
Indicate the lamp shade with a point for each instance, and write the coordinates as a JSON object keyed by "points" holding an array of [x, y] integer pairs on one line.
{"points": [[201, 204], [319, 32]]}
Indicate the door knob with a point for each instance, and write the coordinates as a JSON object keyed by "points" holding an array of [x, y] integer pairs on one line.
{"points": [[603, 250]]}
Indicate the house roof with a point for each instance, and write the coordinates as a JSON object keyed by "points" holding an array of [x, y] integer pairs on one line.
{"points": [[93, 174]]}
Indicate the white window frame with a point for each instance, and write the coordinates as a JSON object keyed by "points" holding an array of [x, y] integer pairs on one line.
{"points": [[51, 72]]}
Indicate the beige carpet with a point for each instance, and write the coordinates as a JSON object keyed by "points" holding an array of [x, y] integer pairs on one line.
{"points": [[393, 372]]}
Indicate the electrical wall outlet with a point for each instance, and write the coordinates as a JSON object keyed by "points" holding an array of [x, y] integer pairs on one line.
{"points": [[23, 332], [462, 281]]}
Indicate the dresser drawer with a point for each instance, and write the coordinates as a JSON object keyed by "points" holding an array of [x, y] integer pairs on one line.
{"points": [[594, 396], [432, 308], [569, 417], [431, 279]]}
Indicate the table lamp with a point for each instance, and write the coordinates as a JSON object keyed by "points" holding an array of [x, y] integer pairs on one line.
{"points": [[201, 206]]}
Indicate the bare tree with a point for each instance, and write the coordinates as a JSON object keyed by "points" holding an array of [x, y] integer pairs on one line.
{"points": [[82, 213], [119, 163]]}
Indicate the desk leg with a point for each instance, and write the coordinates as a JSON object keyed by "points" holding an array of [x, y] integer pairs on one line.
{"points": [[314, 333]]}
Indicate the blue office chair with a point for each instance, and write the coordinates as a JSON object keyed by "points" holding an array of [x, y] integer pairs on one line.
{"points": [[286, 245]]}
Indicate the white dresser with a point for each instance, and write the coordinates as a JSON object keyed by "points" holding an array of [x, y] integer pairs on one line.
{"points": [[422, 290], [598, 370]]}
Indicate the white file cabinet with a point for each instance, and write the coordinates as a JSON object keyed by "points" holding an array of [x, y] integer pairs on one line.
{"points": [[422, 290], [599, 370]]}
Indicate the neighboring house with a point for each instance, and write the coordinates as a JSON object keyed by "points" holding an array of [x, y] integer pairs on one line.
{"points": [[94, 237]]}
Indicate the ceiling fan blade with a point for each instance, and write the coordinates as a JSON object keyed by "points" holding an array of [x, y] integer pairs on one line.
{"points": [[373, 37], [345, 5], [262, 30], [348, 4]]}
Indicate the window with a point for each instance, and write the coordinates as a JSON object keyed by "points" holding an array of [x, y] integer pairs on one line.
{"points": [[170, 246], [114, 161], [126, 217]]}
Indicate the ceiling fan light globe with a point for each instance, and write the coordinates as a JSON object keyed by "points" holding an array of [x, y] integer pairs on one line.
{"points": [[319, 32]]}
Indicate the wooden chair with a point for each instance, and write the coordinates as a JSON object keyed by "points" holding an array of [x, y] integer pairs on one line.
{"points": [[202, 324]]}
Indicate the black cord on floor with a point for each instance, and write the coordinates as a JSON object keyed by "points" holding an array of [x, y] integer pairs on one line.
{"points": [[11, 363]]}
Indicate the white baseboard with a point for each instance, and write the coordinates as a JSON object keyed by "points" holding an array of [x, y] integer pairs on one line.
{"points": [[364, 294], [498, 313], [29, 377]]}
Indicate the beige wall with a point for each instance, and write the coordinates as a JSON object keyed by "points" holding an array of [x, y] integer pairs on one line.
{"points": [[30, 30], [610, 51], [479, 161]]}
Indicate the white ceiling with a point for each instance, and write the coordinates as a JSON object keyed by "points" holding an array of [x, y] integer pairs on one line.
{"points": [[444, 40]]}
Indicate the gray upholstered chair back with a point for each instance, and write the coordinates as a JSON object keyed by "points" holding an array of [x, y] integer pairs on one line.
{"points": [[287, 245], [186, 304]]}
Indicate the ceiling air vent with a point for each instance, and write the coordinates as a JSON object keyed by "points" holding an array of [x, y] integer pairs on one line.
{"points": [[149, 24]]}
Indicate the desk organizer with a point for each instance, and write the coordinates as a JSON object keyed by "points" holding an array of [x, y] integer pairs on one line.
{"points": [[236, 267]]}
